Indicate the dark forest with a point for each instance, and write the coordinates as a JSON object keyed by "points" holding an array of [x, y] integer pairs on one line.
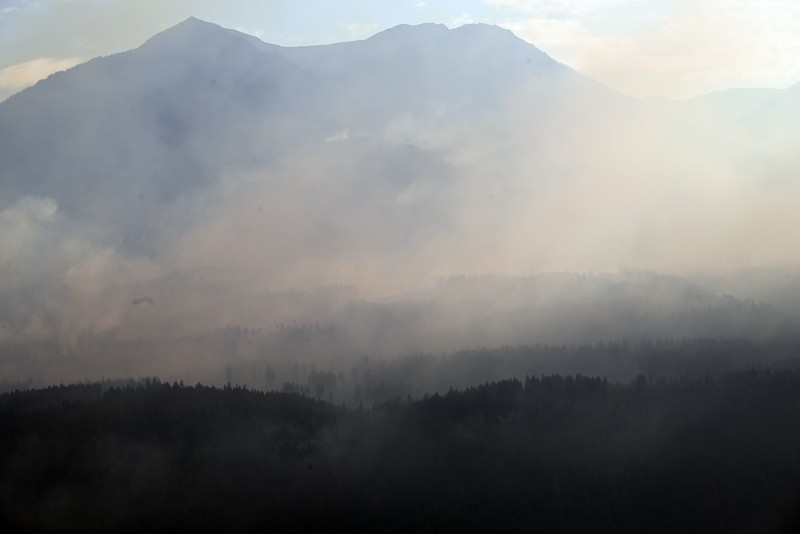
{"points": [[544, 453]]}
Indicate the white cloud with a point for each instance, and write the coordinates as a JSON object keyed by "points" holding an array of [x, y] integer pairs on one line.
{"points": [[358, 30], [9, 9], [17, 77], [464, 18], [555, 8], [689, 49], [255, 32], [341, 135]]}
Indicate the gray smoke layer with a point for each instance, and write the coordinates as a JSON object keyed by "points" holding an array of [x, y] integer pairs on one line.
{"points": [[413, 192]]}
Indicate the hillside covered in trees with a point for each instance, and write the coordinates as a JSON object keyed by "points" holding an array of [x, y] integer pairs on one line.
{"points": [[547, 453]]}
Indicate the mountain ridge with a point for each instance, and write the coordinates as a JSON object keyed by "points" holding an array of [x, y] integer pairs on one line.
{"points": [[384, 163], [212, 75]]}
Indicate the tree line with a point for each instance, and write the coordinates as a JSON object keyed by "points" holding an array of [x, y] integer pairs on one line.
{"points": [[549, 452]]}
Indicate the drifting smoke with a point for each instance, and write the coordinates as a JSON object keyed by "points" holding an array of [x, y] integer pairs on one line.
{"points": [[207, 179]]}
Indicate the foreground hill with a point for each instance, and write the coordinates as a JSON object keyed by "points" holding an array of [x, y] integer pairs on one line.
{"points": [[553, 453]]}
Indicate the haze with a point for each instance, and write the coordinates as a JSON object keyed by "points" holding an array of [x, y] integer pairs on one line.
{"points": [[423, 190]]}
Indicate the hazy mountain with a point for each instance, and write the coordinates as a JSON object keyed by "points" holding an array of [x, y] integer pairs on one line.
{"points": [[762, 118], [112, 140], [136, 145], [209, 168]]}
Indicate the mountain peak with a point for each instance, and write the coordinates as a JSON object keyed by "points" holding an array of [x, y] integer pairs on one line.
{"points": [[193, 34], [480, 40], [430, 29], [483, 27], [191, 25], [427, 29]]}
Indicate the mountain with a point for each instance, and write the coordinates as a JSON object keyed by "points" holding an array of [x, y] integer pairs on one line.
{"points": [[137, 127], [207, 166], [127, 133], [763, 117]]}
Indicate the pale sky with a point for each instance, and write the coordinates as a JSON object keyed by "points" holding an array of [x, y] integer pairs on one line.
{"points": [[674, 48]]}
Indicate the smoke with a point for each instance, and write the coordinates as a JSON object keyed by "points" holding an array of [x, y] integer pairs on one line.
{"points": [[203, 181]]}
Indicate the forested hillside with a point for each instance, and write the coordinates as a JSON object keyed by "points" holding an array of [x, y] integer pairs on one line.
{"points": [[550, 453]]}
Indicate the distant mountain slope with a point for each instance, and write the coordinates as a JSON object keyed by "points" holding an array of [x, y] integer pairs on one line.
{"points": [[387, 163], [114, 139]]}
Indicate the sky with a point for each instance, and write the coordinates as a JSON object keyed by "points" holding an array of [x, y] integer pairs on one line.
{"points": [[674, 48]]}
